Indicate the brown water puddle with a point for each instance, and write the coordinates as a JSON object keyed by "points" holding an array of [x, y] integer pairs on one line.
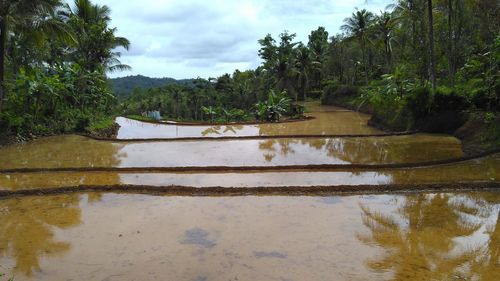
{"points": [[481, 170], [77, 151], [138, 237], [328, 120]]}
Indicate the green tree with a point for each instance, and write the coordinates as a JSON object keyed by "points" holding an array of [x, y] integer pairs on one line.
{"points": [[96, 41], [303, 65], [358, 27], [318, 47], [18, 16]]}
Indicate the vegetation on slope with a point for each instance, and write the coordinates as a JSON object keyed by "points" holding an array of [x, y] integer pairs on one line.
{"points": [[54, 60]]}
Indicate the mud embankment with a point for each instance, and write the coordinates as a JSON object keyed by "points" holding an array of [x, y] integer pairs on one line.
{"points": [[309, 167], [247, 191], [335, 136], [241, 123]]}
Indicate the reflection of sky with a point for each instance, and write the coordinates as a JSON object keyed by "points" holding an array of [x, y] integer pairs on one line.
{"points": [[130, 129], [306, 233], [257, 179]]}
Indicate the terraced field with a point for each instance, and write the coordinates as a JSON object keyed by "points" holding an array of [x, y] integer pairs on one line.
{"points": [[306, 200]]}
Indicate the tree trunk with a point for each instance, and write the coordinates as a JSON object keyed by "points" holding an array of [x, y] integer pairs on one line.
{"points": [[432, 59], [451, 67], [365, 64], [3, 42]]}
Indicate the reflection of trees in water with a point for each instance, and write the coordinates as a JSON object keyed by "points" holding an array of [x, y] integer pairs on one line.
{"points": [[361, 150], [57, 179], [284, 147], [26, 228], [62, 151], [348, 151], [421, 238], [222, 130]]}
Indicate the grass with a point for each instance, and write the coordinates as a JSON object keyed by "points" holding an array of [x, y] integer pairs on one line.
{"points": [[140, 118], [101, 124]]}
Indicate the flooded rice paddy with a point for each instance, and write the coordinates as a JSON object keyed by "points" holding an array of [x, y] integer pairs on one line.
{"points": [[125, 236], [481, 170], [327, 120], [78, 151], [138, 237]]}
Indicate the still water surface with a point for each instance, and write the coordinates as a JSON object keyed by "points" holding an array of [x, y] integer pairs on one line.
{"points": [[328, 120], [77, 151], [480, 170], [139, 237]]}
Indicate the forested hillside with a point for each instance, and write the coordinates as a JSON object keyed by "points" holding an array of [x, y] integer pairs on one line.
{"points": [[123, 86]]}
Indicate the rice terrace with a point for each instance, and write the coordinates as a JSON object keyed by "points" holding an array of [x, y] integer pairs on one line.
{"points": [[297, 140]]}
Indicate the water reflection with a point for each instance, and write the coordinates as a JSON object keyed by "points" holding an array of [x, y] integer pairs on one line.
{"points": [[435, 237], [62, 151], [378, 237], [480, 170], [222, 130], [402, 149], [327, 121], [76, 151], [27, 229]]}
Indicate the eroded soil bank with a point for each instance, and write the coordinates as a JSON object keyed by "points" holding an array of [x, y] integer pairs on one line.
{"points": [[362, 237]]}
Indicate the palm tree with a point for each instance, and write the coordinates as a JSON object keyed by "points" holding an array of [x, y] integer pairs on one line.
{"points": [[384, 26], [96, 42], [357, 26], [22, 16], [302, 67], [318, 47]]}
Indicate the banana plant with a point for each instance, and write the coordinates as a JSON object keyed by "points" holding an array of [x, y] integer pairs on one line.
{"points": [[210, 111], [273, 109]]}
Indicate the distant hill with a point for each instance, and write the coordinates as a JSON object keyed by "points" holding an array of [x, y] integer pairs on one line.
{"points": [[124, 86]]}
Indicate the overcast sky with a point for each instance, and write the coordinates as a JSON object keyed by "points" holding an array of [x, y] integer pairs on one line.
{"points": [[207, 38]]}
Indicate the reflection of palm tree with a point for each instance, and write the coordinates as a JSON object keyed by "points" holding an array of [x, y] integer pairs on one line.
{"points": [[270, 151], [421, 240], [211, 131], [25, 228], [218, 130]]}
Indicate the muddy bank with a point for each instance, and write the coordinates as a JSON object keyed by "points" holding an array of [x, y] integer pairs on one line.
{"points": [[110, 132], [183, 123], [214, 168], [389, 134], [276, 190], [477, 131]]}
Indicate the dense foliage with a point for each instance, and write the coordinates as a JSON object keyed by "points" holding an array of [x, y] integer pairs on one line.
{"points": [[124, 86], [418, 65], [54, 60], [421, 64]]}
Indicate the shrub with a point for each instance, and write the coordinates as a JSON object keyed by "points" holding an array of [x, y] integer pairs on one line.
{"points": [[334, 92]]}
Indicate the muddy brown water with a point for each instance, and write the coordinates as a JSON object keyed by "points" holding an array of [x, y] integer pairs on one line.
{"points": [[328, 120], [480, 170], [78, 151], [97, 236], [119, 236]]}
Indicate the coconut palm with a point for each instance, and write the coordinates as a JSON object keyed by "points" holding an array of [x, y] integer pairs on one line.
{"points": [[357, 26], [318, 47], [20, 16], [384, 27], [303, 64], [97, 44]]}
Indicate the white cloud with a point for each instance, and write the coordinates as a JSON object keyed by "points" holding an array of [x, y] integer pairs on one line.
{"points": [[191, 38]]}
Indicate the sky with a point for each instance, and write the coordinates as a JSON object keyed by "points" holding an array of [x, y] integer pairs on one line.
{"points": [[207, 38]]}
